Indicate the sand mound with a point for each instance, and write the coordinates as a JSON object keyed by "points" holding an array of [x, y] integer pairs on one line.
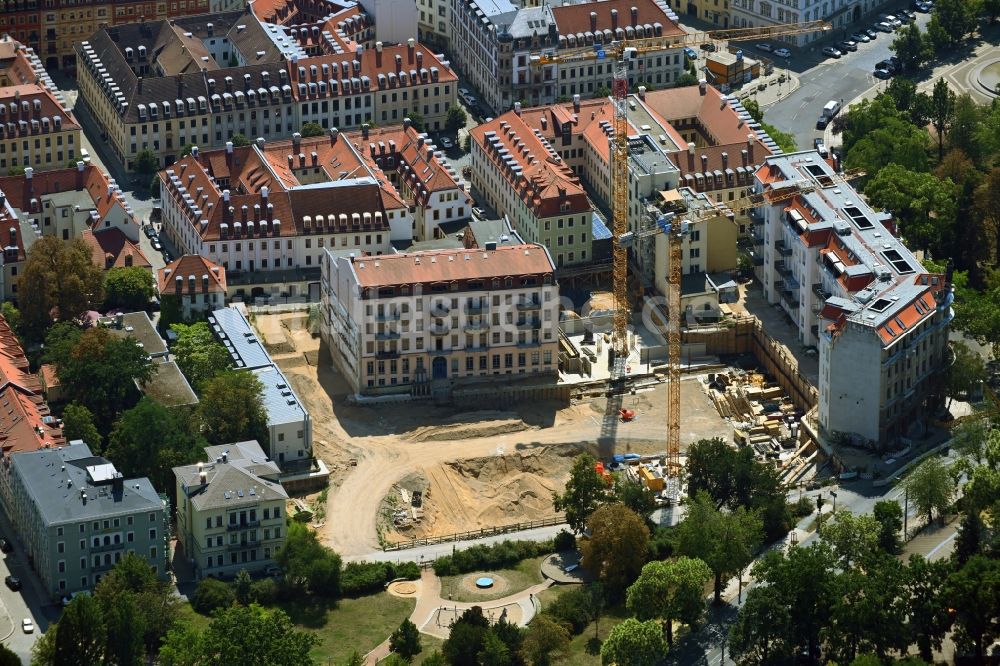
{"points": [[469, 426]]}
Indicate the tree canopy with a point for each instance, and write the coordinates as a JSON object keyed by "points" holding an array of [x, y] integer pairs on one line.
{"points": [[59, 281], [128, 287], [634, 643], [312, 129], [307, 564], [78, 423], [199, 355], [616, 549], [232, 409], [930, 487], [585, 491], [670, 590]]}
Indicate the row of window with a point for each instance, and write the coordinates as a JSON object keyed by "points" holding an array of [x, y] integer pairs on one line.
{"points": [[107, 524], [104, 565]]}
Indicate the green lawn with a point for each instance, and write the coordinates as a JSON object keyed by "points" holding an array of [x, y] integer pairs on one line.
{"points": [[429, 645], [524, 575], [342, 626], [584, 649]]}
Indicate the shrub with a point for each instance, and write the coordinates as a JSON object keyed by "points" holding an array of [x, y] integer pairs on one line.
{"points": [[487, 557], [565, 540], [359, 578], [574, 609], [264, 591], [211, 594]]}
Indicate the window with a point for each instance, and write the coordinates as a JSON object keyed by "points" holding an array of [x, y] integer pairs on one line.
{"points": [[152, 535], [152, 517], [152, 553]]}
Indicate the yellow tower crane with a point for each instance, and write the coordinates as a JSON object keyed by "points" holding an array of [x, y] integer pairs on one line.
{"points": [[622, 52]]}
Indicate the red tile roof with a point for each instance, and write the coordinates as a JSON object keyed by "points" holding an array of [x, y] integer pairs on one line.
{"points": [[452, 265], [574, 18], [187, 266], [708, 111], [111, 245], [25, 423], [18, 103]]}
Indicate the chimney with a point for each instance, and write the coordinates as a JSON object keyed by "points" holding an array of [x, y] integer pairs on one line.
{"points": [[333, 135], [79, 176], [702, 86], [517, 108], [13, 236], [750, 138], [635, 16], [229, 147], [225, 195], [117, 485], [725, 160], [642, 92], [194, 151], [614, 19], [138, 85], [704, 163], [263, 192], [576, 104], [410, 43], [746, 161], [378, 54], [364, 127], [545, 122], [593, 21], [204, 283], [296, 140], [28, 172]]}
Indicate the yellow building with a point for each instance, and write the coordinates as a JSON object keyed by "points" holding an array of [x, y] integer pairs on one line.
{"points": [[35, 130]]}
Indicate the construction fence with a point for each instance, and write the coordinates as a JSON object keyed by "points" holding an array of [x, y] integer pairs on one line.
{"points": [[477, 534], [746, 335]]}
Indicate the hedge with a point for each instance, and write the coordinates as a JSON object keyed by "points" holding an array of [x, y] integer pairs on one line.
{"points": [[501, 555], [360, 578]]}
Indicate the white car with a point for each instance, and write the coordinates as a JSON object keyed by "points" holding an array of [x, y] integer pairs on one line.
{"points": [[28, 626], [783, 53], [447, 143], [764, 47]]}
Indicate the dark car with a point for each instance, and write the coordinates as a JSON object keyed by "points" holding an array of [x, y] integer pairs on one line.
{"points": [[848, 44], [882, 74], [6, 546], [872, 33], [822, 122], [13, 582], [708, 46]]}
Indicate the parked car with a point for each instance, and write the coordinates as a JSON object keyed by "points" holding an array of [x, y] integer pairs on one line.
{"points": [[872, 33], [764, 46], [690, 53], [782, 53], [13, 582], [821, 148], [831, 52], [923, 8], [167, 257], [149, 230], [848, 44], [156, 245], [447, 143], [822, 122], [861, 38], [478, 213], [882, 74], [6, 546], [272, 570], [884, 27], [708, 46], [28, 626]]}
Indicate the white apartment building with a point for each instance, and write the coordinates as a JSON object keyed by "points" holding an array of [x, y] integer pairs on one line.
{"points": [[288, 422], [230, 511], [497, 46], [841, 14], [837, 269], [408, 323]]}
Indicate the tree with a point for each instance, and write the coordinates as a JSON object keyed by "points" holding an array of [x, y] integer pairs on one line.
{"points": [[232, 409], [308, 564], [927, 612], [965, 128], [973, 591], [186, 150], [128, 287], [43, 652], [355, 659], [199, 356], [493, 652], [145, 162], [634, 643], [405, 641], [952, 21], [785, 140], [854, 538], [416, 120], [987, 202], [753, 108], [466, 638], [889, 516], [670, 590], [12, 316], [155, 186], [181, 647], [585, 491], [242, 587], [924, 206], [150, 439], [602, 91], [942, 111], [78, 423], [239, 140], [255, 635], [725, 541], [59, 281], [543, 638], [617, 547], [456, 118], [101, 373], [930, 487], [916, 104], [8, 657], [685, 80], [80, 640], [761, 628], [635, 495], [966, 371], [212, 594], [311, 129], [912, 47], [125, 630], [153, 604], [969, 537]]}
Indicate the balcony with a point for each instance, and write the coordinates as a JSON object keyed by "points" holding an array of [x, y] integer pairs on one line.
{"points": [[783, 269], [439, 329], [782, 248], [245, 525], [818, 290], [243, 545], [533, 304], [474, 308], [789, 301], [387, 335], [758, 240], [387, 316], [480, 325], [440, 310], [104, 566], [385, 354], [107, 547], [527, 344], [528, 324]]}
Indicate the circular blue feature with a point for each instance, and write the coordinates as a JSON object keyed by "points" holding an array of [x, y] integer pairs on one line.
{"points": [[484, 583]]}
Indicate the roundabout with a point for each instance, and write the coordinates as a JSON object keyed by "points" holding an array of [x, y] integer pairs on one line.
{"points": [[988, 78]]}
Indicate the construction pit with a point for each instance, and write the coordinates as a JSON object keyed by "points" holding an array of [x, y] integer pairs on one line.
{"points": [[467, 470]]}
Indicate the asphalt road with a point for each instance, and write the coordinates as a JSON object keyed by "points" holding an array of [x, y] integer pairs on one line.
{"points": [[841, 79]]}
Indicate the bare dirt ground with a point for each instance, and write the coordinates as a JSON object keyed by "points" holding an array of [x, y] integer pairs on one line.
{"points": [[476, 468]]}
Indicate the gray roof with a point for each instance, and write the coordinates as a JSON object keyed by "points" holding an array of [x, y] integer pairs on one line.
{"points": [[168, 386], [280, 401], [238, 480], [234, 332], [496, 9], [494, 231], [137, 325], [532, 21], [57, 479]]}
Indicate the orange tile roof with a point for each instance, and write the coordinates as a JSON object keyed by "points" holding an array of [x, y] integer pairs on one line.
{"points": [[452, 265], [708, 110], [545, 183], [25, 423], [911, 315], [113, 245], [575, 18], [186, 266], [14, 98], [21, 189]]}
